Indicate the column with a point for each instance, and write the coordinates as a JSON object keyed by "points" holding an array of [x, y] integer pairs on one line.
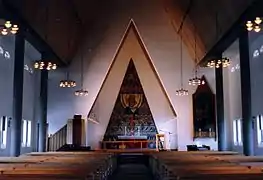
{"points": [[43, 110], [220, 109], [16, 123], [247, 122]]}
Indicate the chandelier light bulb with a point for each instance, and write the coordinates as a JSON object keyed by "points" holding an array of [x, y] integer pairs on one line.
{"points": [[36, 65], [8, 24], [54, 67], [15, 28], [249, 28], [258, 20], [257, 29], [13, 32], [4, 31], [249, 24]]}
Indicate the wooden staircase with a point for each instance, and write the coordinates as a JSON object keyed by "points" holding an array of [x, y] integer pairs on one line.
{"points": [[69, 137]]}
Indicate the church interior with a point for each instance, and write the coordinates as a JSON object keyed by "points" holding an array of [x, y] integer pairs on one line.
{"points": [[146, 89]]}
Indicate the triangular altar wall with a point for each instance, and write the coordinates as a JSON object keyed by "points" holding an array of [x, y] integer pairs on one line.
{"points": [[131, 115], [131, 47]]}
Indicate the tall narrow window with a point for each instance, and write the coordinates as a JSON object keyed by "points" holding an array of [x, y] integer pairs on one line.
{"points": [[237, 132], [26, 139], [260, 130], [3, 132]]}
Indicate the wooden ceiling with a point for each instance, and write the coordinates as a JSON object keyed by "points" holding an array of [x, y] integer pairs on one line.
{"points": [[62, 24], [201, 21]]}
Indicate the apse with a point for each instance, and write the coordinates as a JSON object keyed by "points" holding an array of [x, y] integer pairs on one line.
{"points": [[131, 115]]}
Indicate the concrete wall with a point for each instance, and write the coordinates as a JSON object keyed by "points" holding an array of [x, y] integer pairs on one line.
{"points": [[232, 93], [31, 93], [162, 44], [6, 90], [256, 84]]}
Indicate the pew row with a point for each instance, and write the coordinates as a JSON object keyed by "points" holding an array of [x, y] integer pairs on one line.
{"points": [[204, 165], [58, 165]]}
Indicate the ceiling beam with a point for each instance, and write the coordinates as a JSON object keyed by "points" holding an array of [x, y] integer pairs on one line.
{"points": [[31, 35], [234, 32], [185, 15]]}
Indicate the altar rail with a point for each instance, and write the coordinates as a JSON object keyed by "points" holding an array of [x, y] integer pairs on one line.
{"points": [[138, 144]]}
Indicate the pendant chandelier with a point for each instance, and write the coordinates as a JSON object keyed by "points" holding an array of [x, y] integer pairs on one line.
{"points": [[7, 27], [218, 62], [81, 91], [254, 25], [67, 83], [196, 81], [181, 91], [45, 64], [41, 65]]}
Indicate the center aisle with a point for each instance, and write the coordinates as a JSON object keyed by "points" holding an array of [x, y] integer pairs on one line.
{"points": [[132, 172]]}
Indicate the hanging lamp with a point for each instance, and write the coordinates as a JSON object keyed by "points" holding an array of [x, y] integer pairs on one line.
{"points": [[218, 62], [7, 27], [81, 91], [67, 83], [45, 64], [181, 91], [196, 81], [254, 25]]}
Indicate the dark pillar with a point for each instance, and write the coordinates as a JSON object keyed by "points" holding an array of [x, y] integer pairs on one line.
{"points": [[247, 122], [43, 110], [16, 124], [220, 110]]}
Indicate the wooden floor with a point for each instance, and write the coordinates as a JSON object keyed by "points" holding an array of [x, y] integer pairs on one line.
{"points": [[162, 166]]}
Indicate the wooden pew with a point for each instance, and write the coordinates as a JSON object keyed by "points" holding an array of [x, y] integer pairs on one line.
{"points": [[58, 165], [200, 165]]}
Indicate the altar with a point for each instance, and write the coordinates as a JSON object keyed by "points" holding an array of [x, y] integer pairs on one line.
{"points": [[128, 142]]}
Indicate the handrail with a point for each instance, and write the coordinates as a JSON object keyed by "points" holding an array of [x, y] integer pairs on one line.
{"points": [[58, 139]]}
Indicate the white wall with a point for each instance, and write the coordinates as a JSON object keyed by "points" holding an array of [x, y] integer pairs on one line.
{"points": [[131, 49], [162, 44]]}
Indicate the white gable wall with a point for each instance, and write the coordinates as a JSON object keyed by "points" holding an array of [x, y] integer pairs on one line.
{"points": [[131, 49], [162, 44]]}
